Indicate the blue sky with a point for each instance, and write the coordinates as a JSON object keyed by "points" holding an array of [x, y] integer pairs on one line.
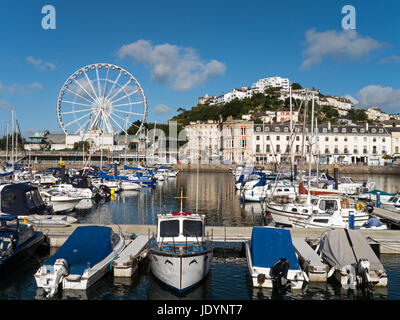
{"points": [[180, 50]]}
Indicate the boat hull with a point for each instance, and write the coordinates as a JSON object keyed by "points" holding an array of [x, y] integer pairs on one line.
{"points": [[22, 254], [180, 271]]}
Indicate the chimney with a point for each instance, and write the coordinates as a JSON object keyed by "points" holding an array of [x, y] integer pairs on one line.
{"points": [[366, 126], [329, 126]]}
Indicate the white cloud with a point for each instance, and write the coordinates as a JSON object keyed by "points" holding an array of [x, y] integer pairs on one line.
{"points": [[180, 67], [336, 44], [4, 104], [162, 109], [20, 88], [353, 100], [377, 96], [390, 59], [41, 65]]}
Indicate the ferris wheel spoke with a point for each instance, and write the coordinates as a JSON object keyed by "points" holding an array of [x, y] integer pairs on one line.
{"points": [[120, 89], [76, 120], [75, 111], [115, 82], [123, 119], [78, 103], [96, 119], [108, 124], [98, 81], [90, 84], [128, 104], [117, 123], [84, 89], [105, 85], [77, 94], [126, 96], [130, 112], [84, 124]]}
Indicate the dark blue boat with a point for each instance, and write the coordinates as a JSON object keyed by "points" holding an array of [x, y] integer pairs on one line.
{"points": [[18, 242]]}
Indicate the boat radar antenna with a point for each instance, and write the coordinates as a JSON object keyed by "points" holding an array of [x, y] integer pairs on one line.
{"points": [[181, 197]]}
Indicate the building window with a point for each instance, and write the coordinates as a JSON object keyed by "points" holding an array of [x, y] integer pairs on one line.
{"points": [[343, 130], [243, 143], [326, 138], [278, 138], [258, 148], [278, 148], [267, 149], [257, 138]]}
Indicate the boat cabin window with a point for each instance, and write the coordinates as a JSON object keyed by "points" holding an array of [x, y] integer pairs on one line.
{"points": [[33, 199], [321, 220], [328, 205], [393, 199], [192, 228], [169, 228], [8, 198]]}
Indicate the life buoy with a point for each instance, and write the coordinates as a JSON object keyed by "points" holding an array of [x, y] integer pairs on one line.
{"points": [[360, 206]]}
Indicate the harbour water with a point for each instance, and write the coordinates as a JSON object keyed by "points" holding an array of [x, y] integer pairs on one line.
{"points": [[218, 200]]}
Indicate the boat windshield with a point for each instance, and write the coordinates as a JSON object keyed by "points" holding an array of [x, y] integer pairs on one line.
{"points": [[192, 228], [33, 199], [393, 199], [169, 228]]}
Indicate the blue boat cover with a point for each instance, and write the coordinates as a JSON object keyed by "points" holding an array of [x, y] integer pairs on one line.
{"points": [[86, 246], [103, 175], [268, 245]]}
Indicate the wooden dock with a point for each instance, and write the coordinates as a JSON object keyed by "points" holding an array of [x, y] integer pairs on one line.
{"points": [[387, 240]]}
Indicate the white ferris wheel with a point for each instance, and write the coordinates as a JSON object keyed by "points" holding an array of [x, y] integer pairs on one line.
{"points": [[101, 96]]}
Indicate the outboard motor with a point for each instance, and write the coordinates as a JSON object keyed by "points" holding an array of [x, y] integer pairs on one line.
{"points": [[363, 268], [278, 273], [350, 273]]}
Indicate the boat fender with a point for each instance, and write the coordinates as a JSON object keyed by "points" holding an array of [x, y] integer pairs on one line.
{"points": [[330, 273], [261, 278], [306, 277]]}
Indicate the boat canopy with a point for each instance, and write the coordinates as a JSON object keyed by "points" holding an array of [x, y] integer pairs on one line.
{"points": [[342, 247], [86, 246], [21, 199], [382, 193], [268, 245]]}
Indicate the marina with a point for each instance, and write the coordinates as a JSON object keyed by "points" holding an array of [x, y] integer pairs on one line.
{"points": [[133, 214]]}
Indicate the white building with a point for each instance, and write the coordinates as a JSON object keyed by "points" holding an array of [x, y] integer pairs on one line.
{"points": [[276, 82], [334, 144], [376, 114]]}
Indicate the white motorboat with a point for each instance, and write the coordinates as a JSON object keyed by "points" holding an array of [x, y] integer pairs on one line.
{"points": [[82, 260], [129, 185], [272, 260], [85, 193], [285, 214], [48, 220], [60, 201], [180, 256], [258, 193]]}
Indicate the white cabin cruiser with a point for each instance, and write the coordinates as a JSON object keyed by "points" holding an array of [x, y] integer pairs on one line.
{"points": [[60, 201], [285, 214]]}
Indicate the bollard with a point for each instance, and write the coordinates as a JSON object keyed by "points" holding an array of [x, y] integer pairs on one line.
{"points": [[378, 199], [335, 175], [351, 221]]}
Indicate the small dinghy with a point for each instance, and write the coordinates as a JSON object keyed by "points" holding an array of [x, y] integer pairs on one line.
{"points": [[351, 259], [83, 259], [272, 260]]}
